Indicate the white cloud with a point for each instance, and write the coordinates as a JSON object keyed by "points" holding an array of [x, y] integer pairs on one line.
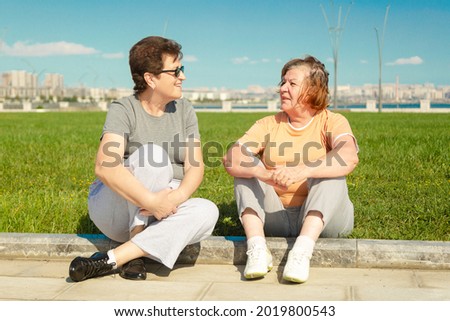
{"points": [[240, 60], [363, 61], [247, 60], [416, 60], [190, 58], [329, 59], [61, 48], [117, 55]]}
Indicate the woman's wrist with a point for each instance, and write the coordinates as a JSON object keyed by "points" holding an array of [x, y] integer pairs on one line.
{"points": [[149, 200], [178, 196]]}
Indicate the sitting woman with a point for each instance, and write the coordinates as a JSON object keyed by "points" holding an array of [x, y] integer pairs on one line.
{"points": [[290, 171], [148, 165]]}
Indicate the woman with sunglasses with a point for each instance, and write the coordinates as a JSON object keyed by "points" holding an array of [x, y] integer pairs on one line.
{"points": [[148, 165], [290, 171]]}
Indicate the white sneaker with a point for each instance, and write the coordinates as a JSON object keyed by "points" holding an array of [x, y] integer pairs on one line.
{"points": [[259, 262], [297, 267]]}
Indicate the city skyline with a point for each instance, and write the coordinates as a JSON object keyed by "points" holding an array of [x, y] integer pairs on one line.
{"points": [[229, 44], [16, 85]]}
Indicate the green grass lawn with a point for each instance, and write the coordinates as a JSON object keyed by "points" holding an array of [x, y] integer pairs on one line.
{"points": [[400, 188]]}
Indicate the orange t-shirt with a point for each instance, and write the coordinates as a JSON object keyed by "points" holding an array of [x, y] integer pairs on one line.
{"points": [[278, 143]]}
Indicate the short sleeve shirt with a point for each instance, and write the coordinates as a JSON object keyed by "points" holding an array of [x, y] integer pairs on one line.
{"points": [[171, 131], [278, 143]]}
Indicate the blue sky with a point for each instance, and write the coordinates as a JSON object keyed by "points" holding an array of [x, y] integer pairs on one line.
{"points": [[230, 44]]}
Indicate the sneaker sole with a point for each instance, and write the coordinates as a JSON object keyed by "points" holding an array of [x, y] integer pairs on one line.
{"points": [[294, 280], [258, 275]]}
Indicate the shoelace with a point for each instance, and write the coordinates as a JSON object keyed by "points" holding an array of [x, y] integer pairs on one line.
{"points": [[299, 257], [256, 252], [96, 267]]}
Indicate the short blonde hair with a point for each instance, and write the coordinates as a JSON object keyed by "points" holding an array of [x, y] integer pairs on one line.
{"points": [[315, 91]]}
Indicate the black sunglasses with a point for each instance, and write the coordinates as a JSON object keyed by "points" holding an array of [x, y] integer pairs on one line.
{"points": [[176, 71]]}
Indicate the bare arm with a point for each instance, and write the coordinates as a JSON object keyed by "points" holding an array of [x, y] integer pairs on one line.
{"points": [[193, 173], [110, 170], [340, 161], [238, 162]]}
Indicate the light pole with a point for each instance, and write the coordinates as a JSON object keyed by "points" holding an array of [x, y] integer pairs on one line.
{"points": [[380, 59], [335, 33]]}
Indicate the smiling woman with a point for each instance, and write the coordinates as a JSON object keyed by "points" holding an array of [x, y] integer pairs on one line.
{"points": [[144, 199]]}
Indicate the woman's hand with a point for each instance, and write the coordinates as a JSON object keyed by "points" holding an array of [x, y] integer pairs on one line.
{"points": [[286, 176], [162, 205], [267, 176], [340, 161]]}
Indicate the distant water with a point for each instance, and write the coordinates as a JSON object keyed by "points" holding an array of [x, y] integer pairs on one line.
{"points": [[234, 107], [396, 106], [358, 106], [440, 106], [207, 107]]}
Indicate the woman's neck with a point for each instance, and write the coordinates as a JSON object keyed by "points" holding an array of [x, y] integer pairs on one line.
{"points": [[151, 104], [302, 117]]}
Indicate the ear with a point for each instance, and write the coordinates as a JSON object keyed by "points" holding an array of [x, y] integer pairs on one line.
{"points": [[149, 79]]}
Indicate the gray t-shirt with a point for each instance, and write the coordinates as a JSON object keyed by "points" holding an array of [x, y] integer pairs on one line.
{"points": [[171, 131]]}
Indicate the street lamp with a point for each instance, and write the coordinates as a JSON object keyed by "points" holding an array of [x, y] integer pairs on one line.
{"points": [[380, 59], [335, 33]]}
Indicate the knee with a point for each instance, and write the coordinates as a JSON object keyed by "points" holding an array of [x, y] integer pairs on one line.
{"points": [[156, 155], [207, 210], [150, 154], [212, 210], [329, 186], [119, 234], [326, 181], [246, 186], [240, 181]]}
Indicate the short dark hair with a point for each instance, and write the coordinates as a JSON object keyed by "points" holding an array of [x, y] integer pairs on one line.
{"points": [[147, 56], [315, 91]]}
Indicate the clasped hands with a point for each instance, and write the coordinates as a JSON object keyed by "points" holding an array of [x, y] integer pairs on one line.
{"points": [[283, 177], [163, 204]]}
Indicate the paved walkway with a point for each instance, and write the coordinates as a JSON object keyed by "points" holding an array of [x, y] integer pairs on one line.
{"points": [[28, 279], [373, 279], [35, 267]]}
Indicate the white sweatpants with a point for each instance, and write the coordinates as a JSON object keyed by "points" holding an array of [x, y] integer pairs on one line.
{"points": [[326, 195], [163, 240]]}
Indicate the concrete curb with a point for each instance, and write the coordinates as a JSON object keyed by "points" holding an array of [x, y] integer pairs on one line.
{"points": [[351, 253]]}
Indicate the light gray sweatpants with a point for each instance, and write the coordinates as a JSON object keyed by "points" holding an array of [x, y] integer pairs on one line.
{"points": [[326, 195], [163, 240]]}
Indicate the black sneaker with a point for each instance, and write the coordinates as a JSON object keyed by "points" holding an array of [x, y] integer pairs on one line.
{"points": [[134, 270], [82, 268]]}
